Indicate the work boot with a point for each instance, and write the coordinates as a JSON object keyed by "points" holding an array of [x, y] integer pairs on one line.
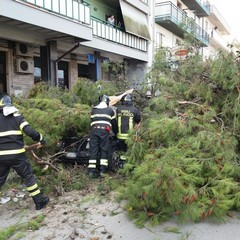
{"points": [[40, 201], [122, 161], [93, 173]]}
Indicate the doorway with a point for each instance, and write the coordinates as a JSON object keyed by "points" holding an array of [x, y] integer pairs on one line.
{"points": [[3, 76]]}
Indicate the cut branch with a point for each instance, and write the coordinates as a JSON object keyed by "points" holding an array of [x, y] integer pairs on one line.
{"points": [[37, 160], [187, 102]]}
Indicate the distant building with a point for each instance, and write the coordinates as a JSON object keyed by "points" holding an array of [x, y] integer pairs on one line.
{"points": [[173, 18]]}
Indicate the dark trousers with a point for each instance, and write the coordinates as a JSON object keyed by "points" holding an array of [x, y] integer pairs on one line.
{"points": [[99, 148], [20, 164], [123, 149], [122, 145]]}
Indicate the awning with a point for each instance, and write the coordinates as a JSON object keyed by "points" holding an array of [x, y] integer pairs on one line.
{"points": [[135, 21]]}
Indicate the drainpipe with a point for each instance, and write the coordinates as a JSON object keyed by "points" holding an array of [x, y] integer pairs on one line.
{"points": [[61, 57]]}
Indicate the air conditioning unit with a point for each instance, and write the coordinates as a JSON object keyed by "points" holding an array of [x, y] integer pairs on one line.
{"points": [[23, 49], [25, 65]]}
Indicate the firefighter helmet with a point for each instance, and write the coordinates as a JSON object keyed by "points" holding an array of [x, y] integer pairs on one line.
{"points": [[5, 100], [127, 98], [104, 98]]}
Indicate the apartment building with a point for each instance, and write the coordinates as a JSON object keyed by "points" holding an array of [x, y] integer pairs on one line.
{"points": [[218, 31], [200, 18], [61, 40]]}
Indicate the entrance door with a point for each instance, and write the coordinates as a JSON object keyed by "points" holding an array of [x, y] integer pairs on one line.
{"points": [[3, 78]]}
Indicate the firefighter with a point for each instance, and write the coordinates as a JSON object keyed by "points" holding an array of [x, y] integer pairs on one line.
{"points": [[128, 116], [12, 152], [103, 122]]}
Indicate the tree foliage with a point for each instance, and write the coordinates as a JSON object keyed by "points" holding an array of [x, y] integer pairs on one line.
{"points": [[55, 113], [89, 91], [58, 113], [186, 154]]}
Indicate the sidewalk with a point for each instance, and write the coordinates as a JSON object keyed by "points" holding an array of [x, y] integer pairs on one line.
{"points": [[87, 217]]}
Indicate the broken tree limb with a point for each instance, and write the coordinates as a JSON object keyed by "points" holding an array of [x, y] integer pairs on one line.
{"points": [[187, 102], [33, 146], [116, 99], [37, 160]]}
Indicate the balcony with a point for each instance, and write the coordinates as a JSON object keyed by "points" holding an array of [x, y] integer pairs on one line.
{"points": [[217, 41], [112, 33], [176, 21], [202, 9], [76, 11], [217, 19], [37, 19], [71, 9]]}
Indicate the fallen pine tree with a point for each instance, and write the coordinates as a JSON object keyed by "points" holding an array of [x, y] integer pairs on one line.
{"points": [[58, 114], [184, 160]]}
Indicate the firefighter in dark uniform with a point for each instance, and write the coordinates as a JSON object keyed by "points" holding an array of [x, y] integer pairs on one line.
{"points": [[12, 152], [128, 116], [103, 122]]}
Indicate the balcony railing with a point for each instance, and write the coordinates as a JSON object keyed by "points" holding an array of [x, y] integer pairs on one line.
{"points": [[168, 11], [72, 9], [201, 8], [206, 5], [115, 34]]}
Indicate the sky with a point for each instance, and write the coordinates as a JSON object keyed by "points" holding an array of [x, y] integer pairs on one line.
{"points": [[229, 9]]}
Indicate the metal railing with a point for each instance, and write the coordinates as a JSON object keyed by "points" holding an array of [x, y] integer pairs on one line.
{"points": [[72, 9], [205, 5], [115, 34], [179, 17], [75, 10]]}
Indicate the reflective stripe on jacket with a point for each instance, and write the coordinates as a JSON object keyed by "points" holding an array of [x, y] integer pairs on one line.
{"points": [[104, 117], [11, 134], [127, 117]]}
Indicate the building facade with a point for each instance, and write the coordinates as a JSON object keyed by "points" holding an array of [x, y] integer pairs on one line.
{"points": [[59, 41], [197, 17]]}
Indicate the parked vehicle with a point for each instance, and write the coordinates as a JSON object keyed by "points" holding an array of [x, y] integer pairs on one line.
{"points": [[76, 151]]}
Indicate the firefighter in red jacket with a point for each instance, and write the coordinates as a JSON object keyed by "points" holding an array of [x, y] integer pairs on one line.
{"points": [[128, 116], [103, 122], [12, 152]]}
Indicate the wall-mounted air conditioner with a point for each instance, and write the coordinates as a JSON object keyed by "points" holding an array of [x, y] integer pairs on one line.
{"points": [[23, 49], [25, 65]]}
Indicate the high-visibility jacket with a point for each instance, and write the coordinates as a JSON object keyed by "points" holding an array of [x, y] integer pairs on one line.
{"points": [[127, 117], [11, 134]]}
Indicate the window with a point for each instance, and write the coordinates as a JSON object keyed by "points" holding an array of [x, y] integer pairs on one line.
{"points": [[159, 40], [178, 42]]}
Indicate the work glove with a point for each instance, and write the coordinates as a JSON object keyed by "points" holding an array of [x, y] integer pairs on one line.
{"points": [[43, 141]]}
